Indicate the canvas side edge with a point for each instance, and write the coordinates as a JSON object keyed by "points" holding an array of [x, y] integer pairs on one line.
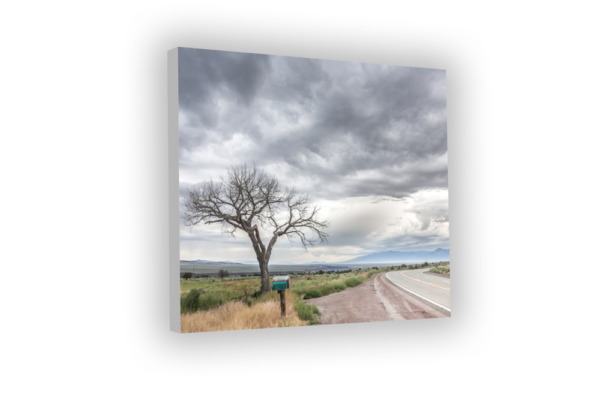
{"points": [[173, 176]]}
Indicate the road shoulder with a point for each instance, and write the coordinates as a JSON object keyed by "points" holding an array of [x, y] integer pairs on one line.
{"points": [[374, 300]]}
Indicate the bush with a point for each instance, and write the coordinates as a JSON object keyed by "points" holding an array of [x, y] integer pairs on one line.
{"points": [[306, 312], [371, 273], [352, 282], [441, 270], [187, 275], [313, 294], [333, 287], [194, 302]]}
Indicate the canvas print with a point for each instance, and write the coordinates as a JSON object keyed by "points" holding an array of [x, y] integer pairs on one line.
{"points": [[309, 192]]}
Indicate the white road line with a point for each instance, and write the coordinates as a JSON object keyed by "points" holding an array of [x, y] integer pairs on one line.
{"points": [[418, 295]]}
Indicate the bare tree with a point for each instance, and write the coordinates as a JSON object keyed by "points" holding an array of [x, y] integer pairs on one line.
{"points": [[248, 197], [223, 273]]}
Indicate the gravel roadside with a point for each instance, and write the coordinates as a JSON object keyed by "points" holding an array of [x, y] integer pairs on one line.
{"points": [[374, 300]]}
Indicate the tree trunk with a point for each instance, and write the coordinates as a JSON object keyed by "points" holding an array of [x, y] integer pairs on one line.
{"points": [[263, 262], [264, 266], [264, 278]]}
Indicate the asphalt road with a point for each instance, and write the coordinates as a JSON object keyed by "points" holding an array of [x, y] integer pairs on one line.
{"points": [[432, 287]]}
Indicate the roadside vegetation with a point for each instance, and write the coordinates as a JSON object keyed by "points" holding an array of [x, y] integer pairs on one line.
{"points": [[228, 302], [307, 312], [236, 315], [443, 269]]}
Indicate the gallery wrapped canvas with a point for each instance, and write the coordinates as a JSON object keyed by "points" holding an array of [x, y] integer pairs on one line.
{"points": [[305, 192]]}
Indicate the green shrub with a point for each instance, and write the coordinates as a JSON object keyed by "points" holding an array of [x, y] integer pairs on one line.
{"points": [[333, 287], [441, 270], [371, 273], [306, 312], [326, 290], [194, 302], [313, 294], [352, 282]]}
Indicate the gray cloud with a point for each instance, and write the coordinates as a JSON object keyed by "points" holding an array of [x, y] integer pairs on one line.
{"points": [[326, 119], [412, 241], [336, 130]]}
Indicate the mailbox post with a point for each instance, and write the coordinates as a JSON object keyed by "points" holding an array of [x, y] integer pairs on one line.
{"points": [[281, 283]]}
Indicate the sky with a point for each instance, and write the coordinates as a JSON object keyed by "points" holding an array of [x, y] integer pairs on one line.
{"points": [[367, 142]]}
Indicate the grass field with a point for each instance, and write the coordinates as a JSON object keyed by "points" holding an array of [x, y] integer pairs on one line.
{"points": [[232, 303], [242, 288]]}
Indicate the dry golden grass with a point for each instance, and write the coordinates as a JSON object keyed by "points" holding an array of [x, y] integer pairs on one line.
{"points": [[237, 315]]}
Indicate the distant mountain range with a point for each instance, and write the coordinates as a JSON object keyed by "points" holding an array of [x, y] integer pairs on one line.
{"points": [[397, 256], [386, 257], [200, 262]]}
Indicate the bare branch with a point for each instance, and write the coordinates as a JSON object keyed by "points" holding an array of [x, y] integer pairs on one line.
{"points": [[247, 195]]}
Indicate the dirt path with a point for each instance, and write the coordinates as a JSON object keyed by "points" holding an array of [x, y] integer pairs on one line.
{"points": [[374, 300]]}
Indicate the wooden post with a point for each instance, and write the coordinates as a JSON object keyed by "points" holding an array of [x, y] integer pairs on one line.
{"points": [[282, 299]]}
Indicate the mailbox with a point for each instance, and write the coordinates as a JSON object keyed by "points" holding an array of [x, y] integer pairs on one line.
{"points": [[281, 282]]}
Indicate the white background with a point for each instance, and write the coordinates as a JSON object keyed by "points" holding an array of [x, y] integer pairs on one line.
{"points": [[84, 207]]}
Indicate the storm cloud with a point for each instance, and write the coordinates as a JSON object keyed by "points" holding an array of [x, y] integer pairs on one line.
{"points": [[343, 132]]}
